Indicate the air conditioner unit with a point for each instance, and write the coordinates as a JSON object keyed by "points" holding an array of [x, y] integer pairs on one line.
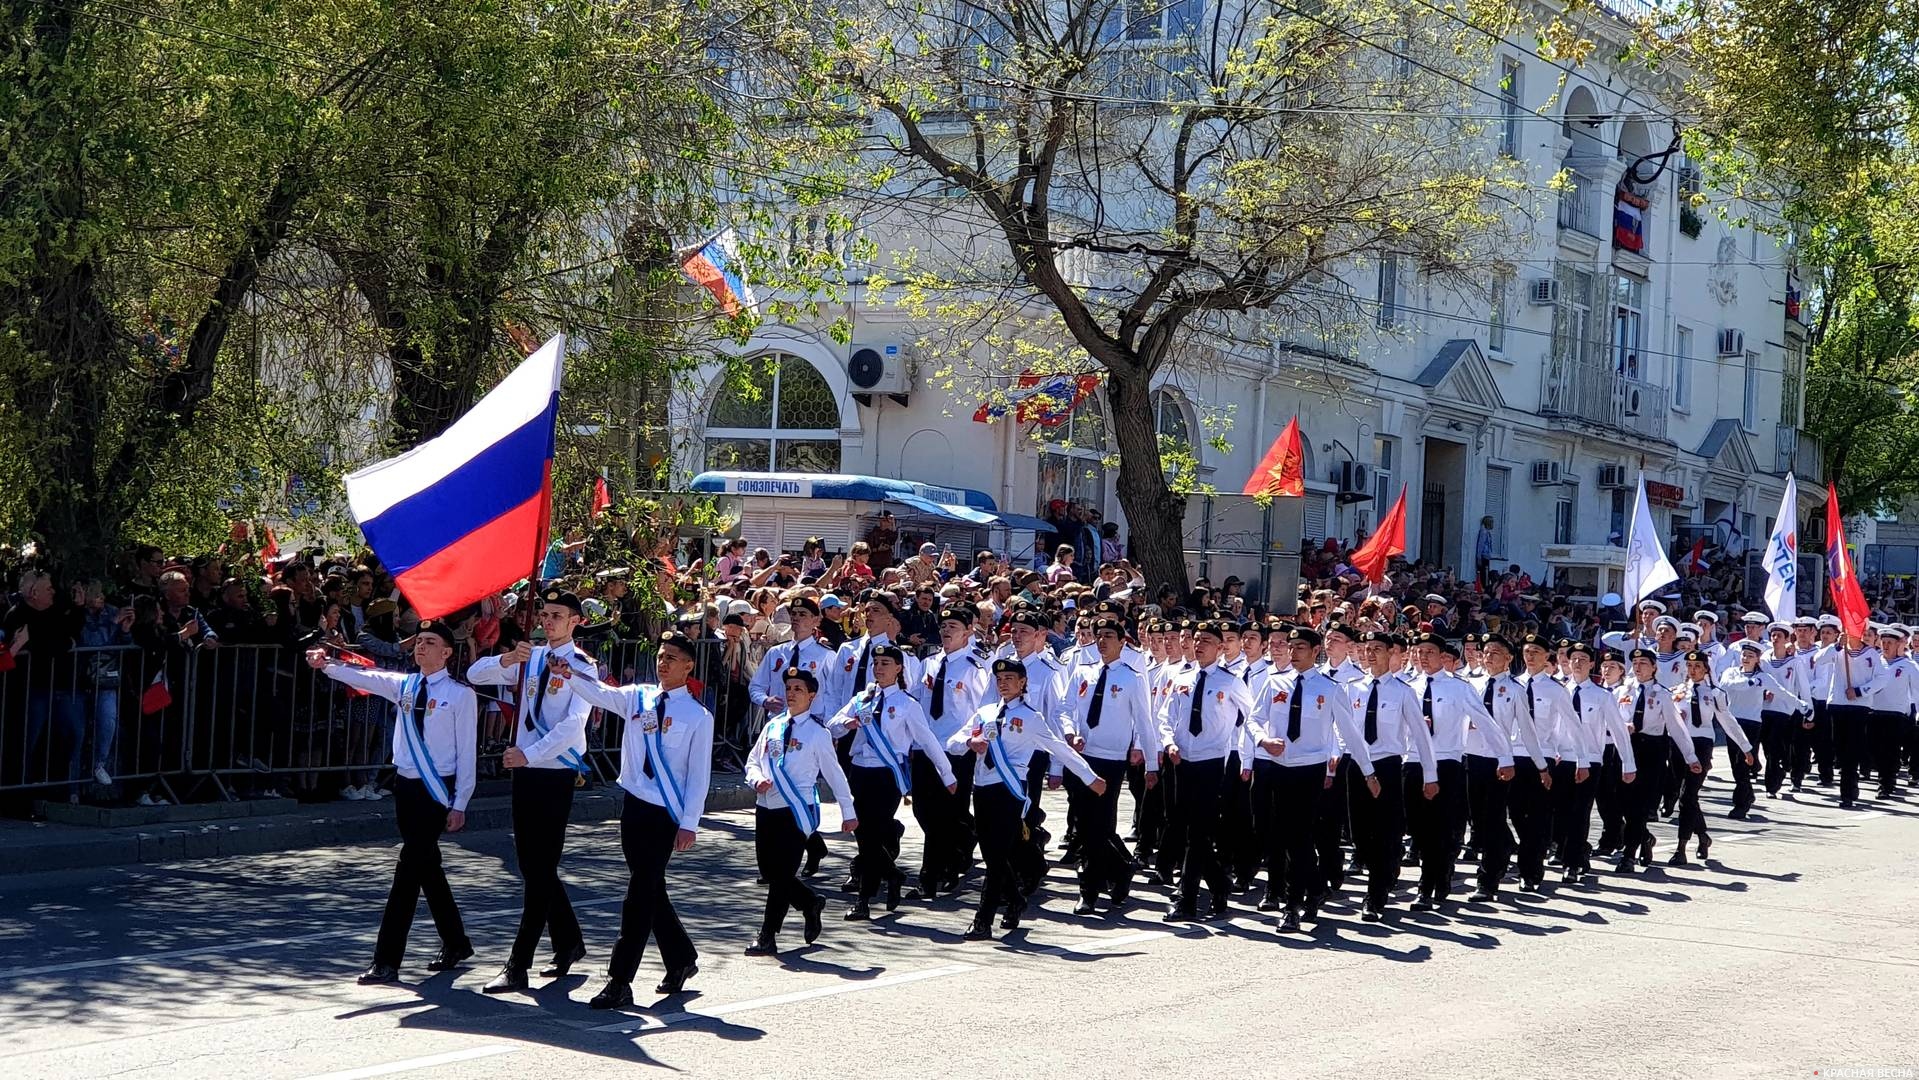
{"points": [[877, 369], [1613, 476], [1543, 291], [1732, 342], [1545, 473], [1629, 401], [1355, 479]]}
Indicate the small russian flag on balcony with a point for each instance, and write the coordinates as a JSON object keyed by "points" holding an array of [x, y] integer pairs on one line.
{"points": [[715, 267], [1628, 222], [465, 515]]}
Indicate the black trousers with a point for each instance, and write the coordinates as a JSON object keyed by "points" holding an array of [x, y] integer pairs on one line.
{"points": [[646, 838], [1692, 820], [1239, 848], [1001, 839], [947, 845], [1850, 728], [876, 802], [1149, 808], [1888, 740], [421, 821], [1200, 783], [542, 803], [1330, 825], [1609, 798], [1811, 742], [1530, 805], [1171, 851], [1641, 797], [1435, 825], [1286, 800], [1487, 799], [1776, 732], [778, 847], [1673, 780], [1378, 823], [1742, 774], [1104, 863], [1572, 810]]}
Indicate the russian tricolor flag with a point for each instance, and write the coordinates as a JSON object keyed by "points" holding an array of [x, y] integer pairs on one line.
{"points": [[715, 267], [465, 515]]}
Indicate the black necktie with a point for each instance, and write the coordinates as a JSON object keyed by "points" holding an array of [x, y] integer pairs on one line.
{"points": [[659, 724], [1696, 723], [1426, 701], [1488, 695], [419, 711], [1193, 723], [859, 675], [539, 693], [1639, 710], [1099, 698], [1372, 714], [939, 690], [1576, 712], [1532, 703], [1001, 731], [1292, 713]]}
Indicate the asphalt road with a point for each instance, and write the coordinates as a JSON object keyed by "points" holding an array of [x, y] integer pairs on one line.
{"points": [[1794, 954]]}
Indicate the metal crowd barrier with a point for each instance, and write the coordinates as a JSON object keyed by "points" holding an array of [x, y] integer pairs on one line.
{"points": [[64, 715]]}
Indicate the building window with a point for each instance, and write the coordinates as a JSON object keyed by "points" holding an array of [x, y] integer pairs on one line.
{"points": [[1563, 521], [778, 415], [1629, 320], [1616, 533], [1509, 108], [1496, 314], [1498, 479], [1749, 411], [1385, 456], [1792, 384], [1386, 292], [1174, 428], [1682, 369], [1072, 456]]}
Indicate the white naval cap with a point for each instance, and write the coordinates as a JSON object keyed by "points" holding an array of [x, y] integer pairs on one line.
{"points": [[1704, 615], [1753, 617], [1894, 630], [1688, 629], [1805, 620], [1778, 628], [1653, 604], [1749, 645], [1665, 620], [1829, 620]]}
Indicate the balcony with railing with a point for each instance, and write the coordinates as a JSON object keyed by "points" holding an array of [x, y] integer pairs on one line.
{"points": [[1597, 394], [1796, 452], [1579, 205]]}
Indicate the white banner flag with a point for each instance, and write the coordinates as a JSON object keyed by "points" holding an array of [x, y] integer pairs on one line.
{"points": [[1647, 568], [1782, 557]]}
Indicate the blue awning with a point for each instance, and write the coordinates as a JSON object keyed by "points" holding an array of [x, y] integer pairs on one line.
{"points": [[1022, 521], [946, 510], [953, 504]]}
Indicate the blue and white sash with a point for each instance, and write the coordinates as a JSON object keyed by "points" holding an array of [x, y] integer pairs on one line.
{"points": [[571, 757], [804, 814], [655, 744], [1004, 767], [875, 728], [415, 740]]}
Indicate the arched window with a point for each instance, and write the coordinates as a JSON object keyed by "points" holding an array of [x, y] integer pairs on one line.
{"points": [[1071, 461], [778, 415], [1173, 423]]}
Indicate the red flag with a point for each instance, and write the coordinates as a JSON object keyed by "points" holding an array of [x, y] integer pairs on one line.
{"points": [[6, 658], [1283, 470], [602, 499], [1696, 562], [1847, 599], [157, 695], [356, 660], [1387, 541]]}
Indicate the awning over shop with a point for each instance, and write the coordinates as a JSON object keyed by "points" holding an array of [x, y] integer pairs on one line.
{"points": [[955, 504]]}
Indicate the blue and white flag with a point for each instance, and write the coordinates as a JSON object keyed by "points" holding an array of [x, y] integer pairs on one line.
{"points": [[1782, 557]]}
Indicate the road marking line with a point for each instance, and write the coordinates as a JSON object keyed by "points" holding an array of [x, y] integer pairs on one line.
{"points": [[1099, 945], [651, 1023], [448, 1058]]}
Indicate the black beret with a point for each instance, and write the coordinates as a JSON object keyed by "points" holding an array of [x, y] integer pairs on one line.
{"points": [[565, 599], [1107, 622], [1306, 634], [1699, 656], [1540, 640], [1210, 626], [1375, 637], [438, 628], [881, 597], [889, 652], [1437, 641], [1109, 607], [1031, 618], [803, 604], [675, 639], [1490, 640], [803, 675], [1006, 665], [960, 613], [1580, 648], [1341, 629], [1645, 654], [1611, 656]]}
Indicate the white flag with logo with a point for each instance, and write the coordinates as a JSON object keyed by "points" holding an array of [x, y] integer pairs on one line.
{"points": [[1782, 557], [1647, 568]]}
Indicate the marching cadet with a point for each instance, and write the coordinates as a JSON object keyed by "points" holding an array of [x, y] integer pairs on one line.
{"points": [[1109, 721], [666, 762], [793, 754], [1453, 713], [884, 722], [954, 685], [808, 652], [1856, 666], [1779, 718], [1595, 710], [1490, 799], [1332, 821], [1046, 693], [547, 758], [1751, 693], [1388, 715], [852, 672], [1562, 738], [1653, 723], [435, 740], [1239, 848], [1892, 703], [1701, 705], [1200, 710], [1003, 738], [1608, 799], [1814, 742]]}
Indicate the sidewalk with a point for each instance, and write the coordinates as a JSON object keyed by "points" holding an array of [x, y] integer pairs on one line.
{"points": [[84, 837]]}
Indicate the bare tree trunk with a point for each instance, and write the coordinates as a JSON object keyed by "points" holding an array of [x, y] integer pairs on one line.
{"points": [[1155, 516]]}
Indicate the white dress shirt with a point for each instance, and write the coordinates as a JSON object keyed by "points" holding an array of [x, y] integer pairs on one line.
{"points": [[850, 676], [803, 747], [968, 680], [1046, 688], [1014, 729], [1456, 712], [812, 655], [1793, 672], [1700, 706], [1750, 694], [1125, 714], [1649, 708], [686, 743], [1561, 735], [559, 709], [1322, 708], [1397, 723], [1598, 711], [899, 719], [452, 726], [1505, 699], [1223, 699]]}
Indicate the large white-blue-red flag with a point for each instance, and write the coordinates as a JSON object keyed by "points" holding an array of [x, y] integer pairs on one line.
{"points": [[1848, 600], [1782, 557], [464, 515]]}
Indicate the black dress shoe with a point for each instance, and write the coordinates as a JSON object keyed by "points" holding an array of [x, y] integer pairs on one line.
{"points": [[1626, 865], [510, 980], [1122, 892], [1532, 885], [851, 884], [858, 910], [812, 866], [981, 930], [451, 956], [563, 962], [614, 995], [1181, 914], [1371, 914], [1678, 858], [1268, 903], [762, 947], [1482, 896], [811, 913], [378, 974], [1085, 907], [893, 889], [1571, 877], [1705, 845], [1289, 924], [1010, 920], [1422, 904], [675, 980]]}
